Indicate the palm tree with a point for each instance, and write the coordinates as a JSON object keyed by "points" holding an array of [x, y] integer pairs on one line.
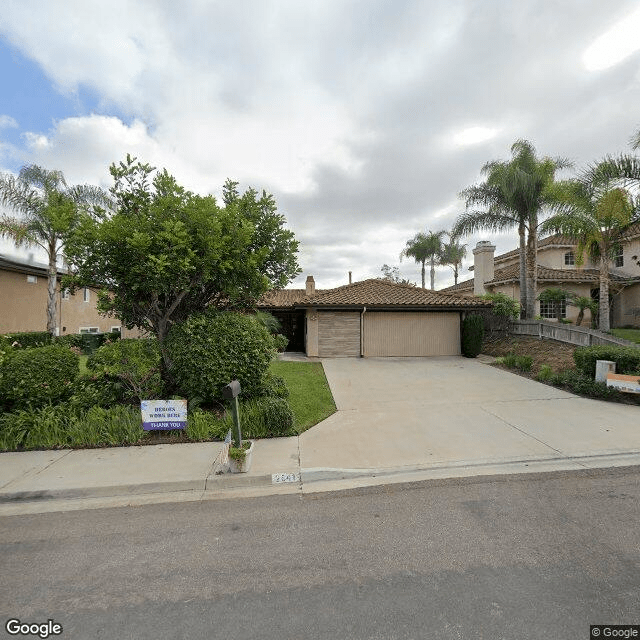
{"points": [[597, 212], [423, 247], [513, 195], [453, 253], [583, 302], [50, 210]]}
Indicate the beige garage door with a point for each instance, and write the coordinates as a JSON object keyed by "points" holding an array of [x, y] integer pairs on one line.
{"points": [[403, 333], [338, 334]]}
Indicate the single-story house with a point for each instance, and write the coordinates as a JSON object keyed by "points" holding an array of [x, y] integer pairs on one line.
{"points": [[372, 317]]}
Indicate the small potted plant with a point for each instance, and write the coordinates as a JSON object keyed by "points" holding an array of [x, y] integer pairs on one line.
{"points": [[240, 457]]}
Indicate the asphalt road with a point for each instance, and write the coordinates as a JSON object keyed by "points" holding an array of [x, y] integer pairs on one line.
{"points": [[512, 557]]}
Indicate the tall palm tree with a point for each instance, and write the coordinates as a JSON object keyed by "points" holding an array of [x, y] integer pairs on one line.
{"points": [[597, 212], [50, 210], [453, 253], [423, 247], [513, 195]]}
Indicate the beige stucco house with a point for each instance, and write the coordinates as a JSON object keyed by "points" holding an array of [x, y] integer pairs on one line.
{"points": [[23, 286], [557, 268], [370, 318]]}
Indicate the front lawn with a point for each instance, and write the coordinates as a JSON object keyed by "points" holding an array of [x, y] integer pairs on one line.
{"points": [[311, 400], [627, 334]]}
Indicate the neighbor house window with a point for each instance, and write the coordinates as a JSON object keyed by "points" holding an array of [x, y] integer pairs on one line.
{"points": [[85, 294], [89, 330], [618, 258], [547, 309], [116, 329], [32, 279], [569, 259]]}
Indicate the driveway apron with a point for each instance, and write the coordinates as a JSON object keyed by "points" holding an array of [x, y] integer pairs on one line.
{"points": [[422, 412]]}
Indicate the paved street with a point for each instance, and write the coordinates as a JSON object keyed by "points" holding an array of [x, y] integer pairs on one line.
{"points": [[537, 556]]}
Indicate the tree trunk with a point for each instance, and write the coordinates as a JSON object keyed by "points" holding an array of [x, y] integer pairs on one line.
{"points": [[580, 317], [523, 271], [531, 278], [51, 290], [433, 273], [168, 381], [603, 307], [455, 274], [423, 274]]}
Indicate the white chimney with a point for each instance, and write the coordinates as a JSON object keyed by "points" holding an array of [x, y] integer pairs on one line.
{"points": [[311, 285], [483, 267]]}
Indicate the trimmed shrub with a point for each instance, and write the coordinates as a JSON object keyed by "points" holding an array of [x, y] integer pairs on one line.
{"points": [[97, 389], [584, 385], [472, 336], [209, 350], [70, 340], [29, 339], [263, 418], [37, 376], [627, 359], [273, 385], [135, 362], [522, 363], [503, 305], [545, 374], [281, 342]]}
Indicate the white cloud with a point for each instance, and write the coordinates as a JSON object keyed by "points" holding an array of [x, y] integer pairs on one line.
{"points": [[474, 135], [7, 122], [615, 45]]}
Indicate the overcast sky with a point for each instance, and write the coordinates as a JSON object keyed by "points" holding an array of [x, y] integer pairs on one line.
{"points": [[365, 118]]}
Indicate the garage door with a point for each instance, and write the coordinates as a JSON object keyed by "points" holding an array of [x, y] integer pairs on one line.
{"points": [[411, 334], [338, 333]]}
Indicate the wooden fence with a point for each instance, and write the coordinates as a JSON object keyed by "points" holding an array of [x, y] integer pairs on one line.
{"points": [[566, 333]]}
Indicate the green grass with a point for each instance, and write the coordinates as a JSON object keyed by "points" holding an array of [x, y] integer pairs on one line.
{"points": [[311, 400], [83, 365], [627, 334]]}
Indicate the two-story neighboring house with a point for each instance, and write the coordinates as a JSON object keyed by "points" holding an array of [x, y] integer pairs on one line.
{"points": [[557, 268], [23, 288]]}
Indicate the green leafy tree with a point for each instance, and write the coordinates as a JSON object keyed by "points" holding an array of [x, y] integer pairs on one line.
{"points": [[452, 254], [50, 210], [513, 195], [503, 305], [597, 213], [168, 253], [423, 247]]}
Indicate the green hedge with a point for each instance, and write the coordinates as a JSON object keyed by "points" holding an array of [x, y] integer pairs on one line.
{"points": [[34, 377], [133, 361], [472, 335], [29, 339], [627, 359], [209, 350]]}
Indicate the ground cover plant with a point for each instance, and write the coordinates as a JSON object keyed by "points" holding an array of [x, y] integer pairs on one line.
{"points": [[310, 397], [627, 334], [99, 408], [564, 365]]}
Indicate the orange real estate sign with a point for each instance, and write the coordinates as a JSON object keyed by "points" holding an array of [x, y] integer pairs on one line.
{"points": [[630, 384]]}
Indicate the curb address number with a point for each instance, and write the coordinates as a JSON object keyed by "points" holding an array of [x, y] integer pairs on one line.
{"points": [[277, 478]]}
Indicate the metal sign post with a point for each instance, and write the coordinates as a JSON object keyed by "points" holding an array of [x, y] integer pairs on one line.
{"points": [[230, 392]]}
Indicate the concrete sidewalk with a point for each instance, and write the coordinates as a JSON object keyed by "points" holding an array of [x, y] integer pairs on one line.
{"points": [[398, 420]]}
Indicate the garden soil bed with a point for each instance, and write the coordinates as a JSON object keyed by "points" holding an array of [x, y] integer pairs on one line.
{"points": [[558, 355]]}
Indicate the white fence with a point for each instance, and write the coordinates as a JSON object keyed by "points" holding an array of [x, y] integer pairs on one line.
{"points": [[566, 333]]}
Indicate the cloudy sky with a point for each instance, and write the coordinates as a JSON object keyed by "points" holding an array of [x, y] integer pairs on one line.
{"points": [[364, 118]]}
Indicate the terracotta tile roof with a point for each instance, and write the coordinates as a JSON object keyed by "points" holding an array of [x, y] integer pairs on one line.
{"points": [[383, 293], [371, 293], [465, 285], [545, 274], [558, 240], [279, 298]]}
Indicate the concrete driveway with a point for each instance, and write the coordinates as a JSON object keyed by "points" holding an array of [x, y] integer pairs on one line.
{"points": [[444, 412]]}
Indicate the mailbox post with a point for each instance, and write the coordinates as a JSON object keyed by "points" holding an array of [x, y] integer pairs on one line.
{"points": [[230, 392]]}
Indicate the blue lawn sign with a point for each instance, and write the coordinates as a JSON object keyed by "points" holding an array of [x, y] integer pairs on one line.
{"points": [[163, 415]]}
